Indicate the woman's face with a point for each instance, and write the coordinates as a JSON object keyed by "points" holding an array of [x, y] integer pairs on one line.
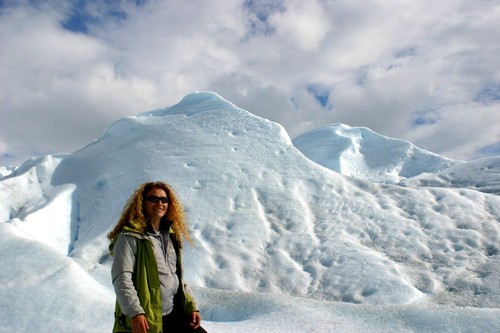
{"points": [[153, 205]]}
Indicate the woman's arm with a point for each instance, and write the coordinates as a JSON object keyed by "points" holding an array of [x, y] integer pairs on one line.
{"points": [[122, 269]]}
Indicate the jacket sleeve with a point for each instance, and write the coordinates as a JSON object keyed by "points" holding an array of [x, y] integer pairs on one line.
{"points": [[124, 250]]}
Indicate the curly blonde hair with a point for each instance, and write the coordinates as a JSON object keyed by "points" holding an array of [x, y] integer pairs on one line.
{"points": [[134, 211]]}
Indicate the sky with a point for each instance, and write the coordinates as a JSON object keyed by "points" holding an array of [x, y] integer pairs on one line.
{"points": [[280, 244], [422, 71]]}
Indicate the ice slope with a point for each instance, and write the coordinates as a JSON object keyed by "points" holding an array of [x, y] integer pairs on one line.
{"points": [[482, 175], [264, 219], [361, 153], [42, 290]]}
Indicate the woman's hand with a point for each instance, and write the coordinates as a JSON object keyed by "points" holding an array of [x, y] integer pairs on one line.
{"points": [[140, 324], [195, 320]]}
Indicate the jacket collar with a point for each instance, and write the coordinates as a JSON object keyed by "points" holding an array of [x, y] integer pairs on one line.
{"points": [[135, 230]]}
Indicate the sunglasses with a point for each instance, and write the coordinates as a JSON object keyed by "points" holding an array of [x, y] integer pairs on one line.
{"points": [[155, 199]]}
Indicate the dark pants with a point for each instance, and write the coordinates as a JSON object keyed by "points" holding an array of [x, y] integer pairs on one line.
{"points": [[176, 323]]}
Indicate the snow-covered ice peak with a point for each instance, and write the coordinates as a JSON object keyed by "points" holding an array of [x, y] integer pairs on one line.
{"points": [[361, 153]]}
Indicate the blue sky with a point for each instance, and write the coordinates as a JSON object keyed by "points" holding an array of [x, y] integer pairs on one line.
{"points": [[70, 68], [83, 14]]}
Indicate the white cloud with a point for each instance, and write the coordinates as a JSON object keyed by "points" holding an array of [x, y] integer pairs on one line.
{"points": [[303, 24], [478, 129]]}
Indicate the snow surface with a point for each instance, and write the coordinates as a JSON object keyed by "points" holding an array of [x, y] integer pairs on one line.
{"points": [[281, 242]]}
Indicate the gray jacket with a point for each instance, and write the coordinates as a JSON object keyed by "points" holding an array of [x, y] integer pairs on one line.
{"points": [[125, 250]]}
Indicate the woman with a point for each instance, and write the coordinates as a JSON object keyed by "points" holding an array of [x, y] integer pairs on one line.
{"points": [[147, 270]]}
